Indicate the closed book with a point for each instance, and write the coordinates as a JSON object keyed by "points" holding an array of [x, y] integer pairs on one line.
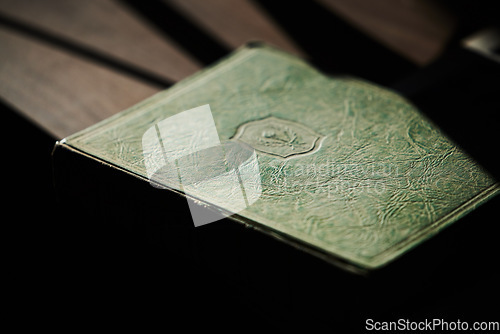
{"points": [[337, 167]]}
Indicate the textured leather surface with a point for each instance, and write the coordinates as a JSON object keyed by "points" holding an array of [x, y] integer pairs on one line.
{"points": [[349, 170]]}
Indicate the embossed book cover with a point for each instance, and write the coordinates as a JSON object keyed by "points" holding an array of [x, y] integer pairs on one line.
{"points": [[341, 168]]}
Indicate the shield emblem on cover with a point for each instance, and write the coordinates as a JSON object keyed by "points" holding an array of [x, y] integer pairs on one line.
{"points": [[278, 137]]}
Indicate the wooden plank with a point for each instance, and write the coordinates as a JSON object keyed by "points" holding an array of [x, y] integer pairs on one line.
{"points": [[58, 91], [235, 22], [107, 27], [417, 30]]}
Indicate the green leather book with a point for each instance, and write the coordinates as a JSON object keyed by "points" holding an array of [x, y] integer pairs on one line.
{"points": [[347, 170]]}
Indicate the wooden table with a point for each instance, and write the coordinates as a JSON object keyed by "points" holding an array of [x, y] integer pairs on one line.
{"points": [[66, 65]]}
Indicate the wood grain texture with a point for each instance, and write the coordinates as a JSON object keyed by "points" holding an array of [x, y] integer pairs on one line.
{"points": [[235, 22], [58, 91], [417, 29], [108, 27], [64, 93]]}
